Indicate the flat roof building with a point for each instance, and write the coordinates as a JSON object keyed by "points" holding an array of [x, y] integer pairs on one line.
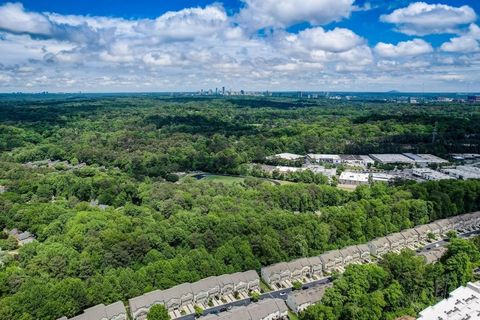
{"points": [[329, 158], [391, 158], [463, 303], [354, 178], [287, 156]]}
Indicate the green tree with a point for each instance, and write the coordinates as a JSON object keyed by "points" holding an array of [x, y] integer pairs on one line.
{"points": [[158, 312]]}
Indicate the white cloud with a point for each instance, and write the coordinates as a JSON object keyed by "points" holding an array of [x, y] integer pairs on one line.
{"points": [[420, 18], [15, 19], [469, 42], [336, 40], [413, 47], [205, 47], [259, 14]]}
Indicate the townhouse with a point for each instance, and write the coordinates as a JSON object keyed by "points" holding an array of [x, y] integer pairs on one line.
{"points": [[332, 261], [422, 231], [268, 309], [411, 238], [277, 275], [183, 298], [379, 246], [445, 225], [397, 241], [364, 253], [114, 311], [298, 301], [350, 254]]}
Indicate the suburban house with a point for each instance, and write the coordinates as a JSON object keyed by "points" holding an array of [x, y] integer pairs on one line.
{"points": [[276, 274], [22, 237], [397, 241], [324, 158], [411, 238], [298, 301], [379, 246], [354, 178], [331, 261], [114, 311], [181, 299], [350, 254]]}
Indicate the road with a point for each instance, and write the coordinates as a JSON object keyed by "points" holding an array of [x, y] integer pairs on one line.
{"points": [[283, 293]]}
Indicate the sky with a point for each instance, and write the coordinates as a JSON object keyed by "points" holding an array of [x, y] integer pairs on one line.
{"points": [[254, 45]]}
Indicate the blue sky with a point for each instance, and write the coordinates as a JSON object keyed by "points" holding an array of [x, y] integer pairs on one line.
{"points": [[321, 45]]}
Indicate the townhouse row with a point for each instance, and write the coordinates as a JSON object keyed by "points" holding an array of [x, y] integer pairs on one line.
{"points": [[305, 270], [220, 290], [209, 292], [268, 309]]}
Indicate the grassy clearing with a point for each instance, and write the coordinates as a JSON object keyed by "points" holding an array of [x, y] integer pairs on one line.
{"points": [[223, 179]]}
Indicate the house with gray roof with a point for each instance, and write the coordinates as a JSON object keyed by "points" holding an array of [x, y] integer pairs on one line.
{"points": [[179, 296], [300, 300], [139, 306], [205, 289], [331, 261], [397, 241], [433, 255], [276, 273], [299, 269], [423, 231], [114, 311], [458, 222], [268, 309], [435, 229], [379, 247], [350, 254], [446, 225], [316, 266], [364, 252], [226, 284], [411, 238]]}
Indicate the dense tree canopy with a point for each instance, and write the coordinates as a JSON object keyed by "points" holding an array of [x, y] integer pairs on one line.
{"points": [[157, 232]]}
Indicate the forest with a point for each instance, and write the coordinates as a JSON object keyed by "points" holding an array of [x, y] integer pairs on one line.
{"points": [[117, 219]]}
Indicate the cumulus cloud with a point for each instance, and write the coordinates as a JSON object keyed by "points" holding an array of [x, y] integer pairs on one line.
{"points": [[413, 47], [469, 42], [420, 18], [205, 47], [259, 14], [336, 40]]}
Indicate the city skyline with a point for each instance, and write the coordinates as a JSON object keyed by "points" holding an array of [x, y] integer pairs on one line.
{"points": [[252, 45]]}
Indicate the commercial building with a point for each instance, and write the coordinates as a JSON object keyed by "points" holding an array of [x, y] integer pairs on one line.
{"points": [[463, 303], [382, 177], [298, 301], [463, 172], [430, 174], [287, 156], [114, 311], [425, 159], [356, 160], [390, 158], [354, 178], [330, 173], [324, 158]]}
